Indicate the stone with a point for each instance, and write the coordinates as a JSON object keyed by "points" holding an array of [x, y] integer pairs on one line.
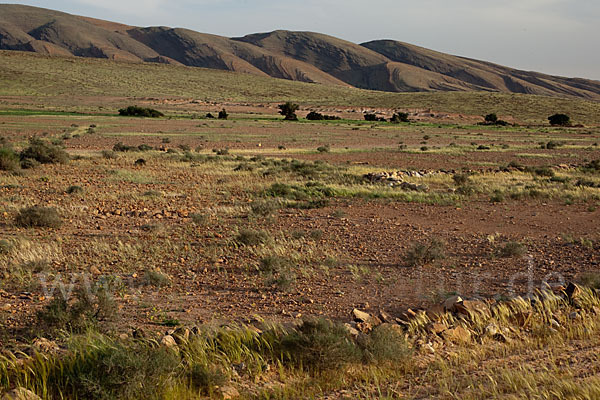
{"points": [[169, 342], [451, 302], [364, 327], [228, 392], [457, 335], [44, 345], [471, 307], [574, 315], [435, 312], [572, 291], [437, 328], [361, 316], [21, 394], [351, 330], [385, 317]]}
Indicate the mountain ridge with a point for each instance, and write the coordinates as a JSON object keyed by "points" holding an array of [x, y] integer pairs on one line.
{"points": [[385, 65]]}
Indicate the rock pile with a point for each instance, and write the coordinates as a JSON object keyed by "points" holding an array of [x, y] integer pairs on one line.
{"points": [[396, 179], [453, 321]]}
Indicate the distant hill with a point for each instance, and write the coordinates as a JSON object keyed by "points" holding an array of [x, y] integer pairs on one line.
{"points": [[384, 65]]}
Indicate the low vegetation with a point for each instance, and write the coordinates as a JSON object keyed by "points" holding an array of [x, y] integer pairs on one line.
{"points": [[135, 111]]}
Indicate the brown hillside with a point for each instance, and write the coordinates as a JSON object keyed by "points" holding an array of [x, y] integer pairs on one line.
{"points": [[300, 56]]}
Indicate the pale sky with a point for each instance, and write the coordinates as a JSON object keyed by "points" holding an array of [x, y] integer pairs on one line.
{"points": [[560, 37]]}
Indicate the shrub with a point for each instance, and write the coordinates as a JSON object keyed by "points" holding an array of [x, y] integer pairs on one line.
{"points": [[41, 217], [109, 154], [74, 189], [9, 160], [44, 153], [399, 117], [491, 118], [323, 149], [90, 306], [204, 378], [424, 253], [559, 120], [370, 117], [135, 111], [250, 237], [264, 208], [122, 147], [144, 147], [278, 270], [104, 369], [461, 179], [386, 343], [156, 278], [288, 110], [315, 116], [319, 344], [512, 249], [223, 114], [140, 162]]}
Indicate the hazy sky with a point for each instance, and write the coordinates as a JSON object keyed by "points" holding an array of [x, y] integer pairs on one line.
{"points": [[559, 37]]}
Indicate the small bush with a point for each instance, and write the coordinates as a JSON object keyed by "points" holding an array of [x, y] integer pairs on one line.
{"points": [[156, 278], [315, 116], [318, 345], [323, 149], [590, 279], [264, 208], [491, 118], [399, 117], [205, 378], [120, 147], [371, 117], [74, 189], [9, 160], [250, 237], [278, 271], [559, 120], [104, 369], [109, 154], [90, 306], [44, 153], [39, 217], [135, 111], [461, 179], [386, 343], [424, 253], [223, 114], [144, 147], [140, 162], [512, 249]]}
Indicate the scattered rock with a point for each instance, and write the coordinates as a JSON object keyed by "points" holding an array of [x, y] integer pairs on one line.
{"points": [[457, 335], [169, 342], [436, 312], [385, 317], [21, 394], [360, 316], [437, 328], [351, 330], [574, 315], [472, 307], [44, 345], [450, 303], [573, 291], [228, 392]]}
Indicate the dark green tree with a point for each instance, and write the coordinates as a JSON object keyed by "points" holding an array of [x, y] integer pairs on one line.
{"points": [[559, 120], [288, 110]]}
